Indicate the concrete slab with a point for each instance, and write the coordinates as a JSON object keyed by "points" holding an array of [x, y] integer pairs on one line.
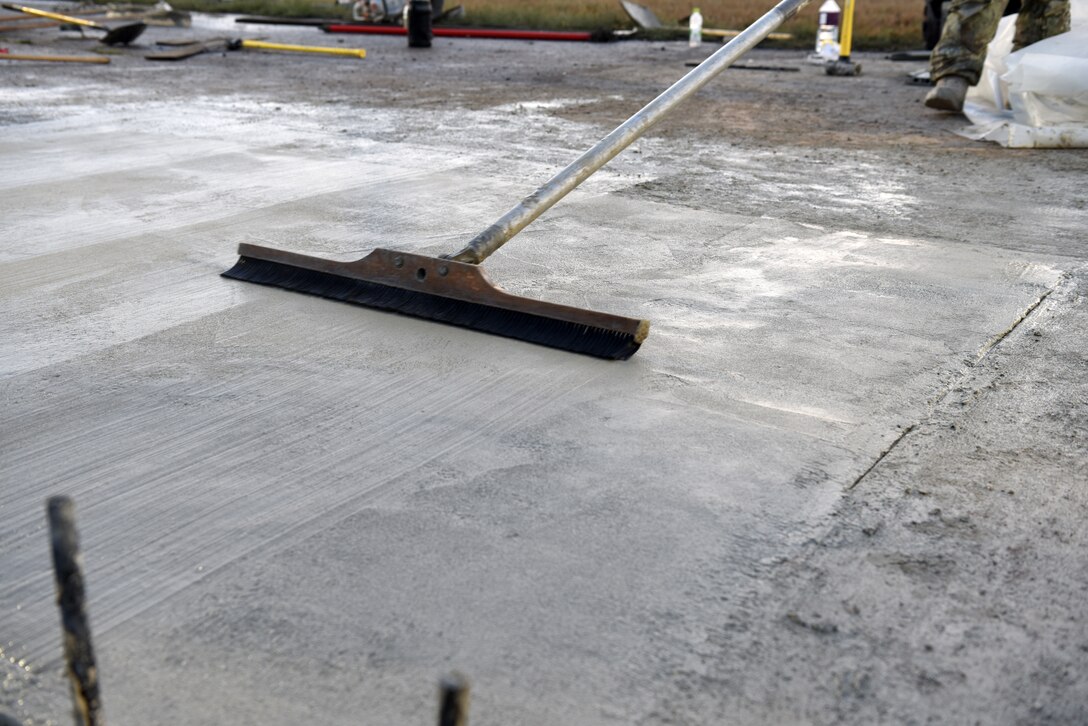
{"points": [[295, 509]]}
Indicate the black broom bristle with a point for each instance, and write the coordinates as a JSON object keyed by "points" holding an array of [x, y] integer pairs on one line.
{"points": [[533, 328]]}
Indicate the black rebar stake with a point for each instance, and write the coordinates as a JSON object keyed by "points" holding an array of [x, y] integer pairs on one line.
{"points": [[71, 596], [453, 704]]}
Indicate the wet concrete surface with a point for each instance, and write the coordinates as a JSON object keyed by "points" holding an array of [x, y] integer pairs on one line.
{"points": [[299, 510]]}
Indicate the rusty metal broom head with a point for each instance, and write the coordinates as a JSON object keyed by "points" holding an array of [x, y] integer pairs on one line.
{"points": [[445, 291]]}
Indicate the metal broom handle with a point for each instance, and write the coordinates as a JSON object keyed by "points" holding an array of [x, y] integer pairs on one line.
{"points": [[562, 183]]}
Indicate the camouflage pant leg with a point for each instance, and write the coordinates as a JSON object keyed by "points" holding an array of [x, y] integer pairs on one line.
{"points": [[968, 29], [971, 25], [1040, 19]]}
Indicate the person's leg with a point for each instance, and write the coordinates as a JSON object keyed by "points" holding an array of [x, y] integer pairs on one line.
{"points": [[969, 28], [1040, 19], [956, 62]]}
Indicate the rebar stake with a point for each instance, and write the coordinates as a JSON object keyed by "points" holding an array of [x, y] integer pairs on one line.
{"points": [[453, 703], [71, 598]]}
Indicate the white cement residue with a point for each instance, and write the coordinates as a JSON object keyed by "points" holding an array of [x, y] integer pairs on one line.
{"points": [[49, 334]]}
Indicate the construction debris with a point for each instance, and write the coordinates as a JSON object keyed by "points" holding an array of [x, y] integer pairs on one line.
{"points": [[121, 35], [645, 19], [5, 55]]}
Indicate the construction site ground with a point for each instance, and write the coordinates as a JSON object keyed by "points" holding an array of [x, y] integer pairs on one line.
{"points": [[844, 481]]}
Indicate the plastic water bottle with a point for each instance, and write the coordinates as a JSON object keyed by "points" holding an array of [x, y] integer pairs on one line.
{"points": [[695, 25], [827, 34]]}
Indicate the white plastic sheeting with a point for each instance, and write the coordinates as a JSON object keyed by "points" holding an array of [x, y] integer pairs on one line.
{"points": [[1038, 96]]}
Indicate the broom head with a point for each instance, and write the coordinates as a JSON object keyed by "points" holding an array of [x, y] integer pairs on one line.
{"points": [[438, 289]]}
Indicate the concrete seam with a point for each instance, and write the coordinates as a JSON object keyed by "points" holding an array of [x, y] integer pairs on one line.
{"points": [[994, 341], [983, 352], [883, 454]]}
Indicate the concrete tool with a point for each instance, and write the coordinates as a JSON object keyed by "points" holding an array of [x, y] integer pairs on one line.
{"points": [[121, 35], [453, 289], [187, 49], [843, 66]]}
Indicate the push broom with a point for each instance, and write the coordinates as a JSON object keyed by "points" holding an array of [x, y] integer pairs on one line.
{"points": [[453, 289]]}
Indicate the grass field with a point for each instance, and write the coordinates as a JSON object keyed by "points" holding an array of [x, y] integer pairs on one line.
{"points": [[878, 24]]}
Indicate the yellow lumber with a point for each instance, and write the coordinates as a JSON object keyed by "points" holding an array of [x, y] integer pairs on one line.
{"points": [[711, 32], [260, 44], [55, 58]]}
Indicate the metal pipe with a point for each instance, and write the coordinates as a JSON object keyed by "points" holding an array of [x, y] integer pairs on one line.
{"points": [[453, 701], [71, 599], [562, 183]]}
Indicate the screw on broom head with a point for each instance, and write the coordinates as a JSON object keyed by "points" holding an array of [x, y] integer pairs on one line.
{"points": [[446, 291]]}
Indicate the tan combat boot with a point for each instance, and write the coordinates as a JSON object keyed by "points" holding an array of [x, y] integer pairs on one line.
{"points": [[948, 95]]}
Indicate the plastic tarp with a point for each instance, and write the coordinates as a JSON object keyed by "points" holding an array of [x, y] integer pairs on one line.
{"points": [[1036, 97]]}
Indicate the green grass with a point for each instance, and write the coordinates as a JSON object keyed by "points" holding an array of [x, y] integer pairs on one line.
{"points": [[544, 14], [878, 24], [274, 8]]}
